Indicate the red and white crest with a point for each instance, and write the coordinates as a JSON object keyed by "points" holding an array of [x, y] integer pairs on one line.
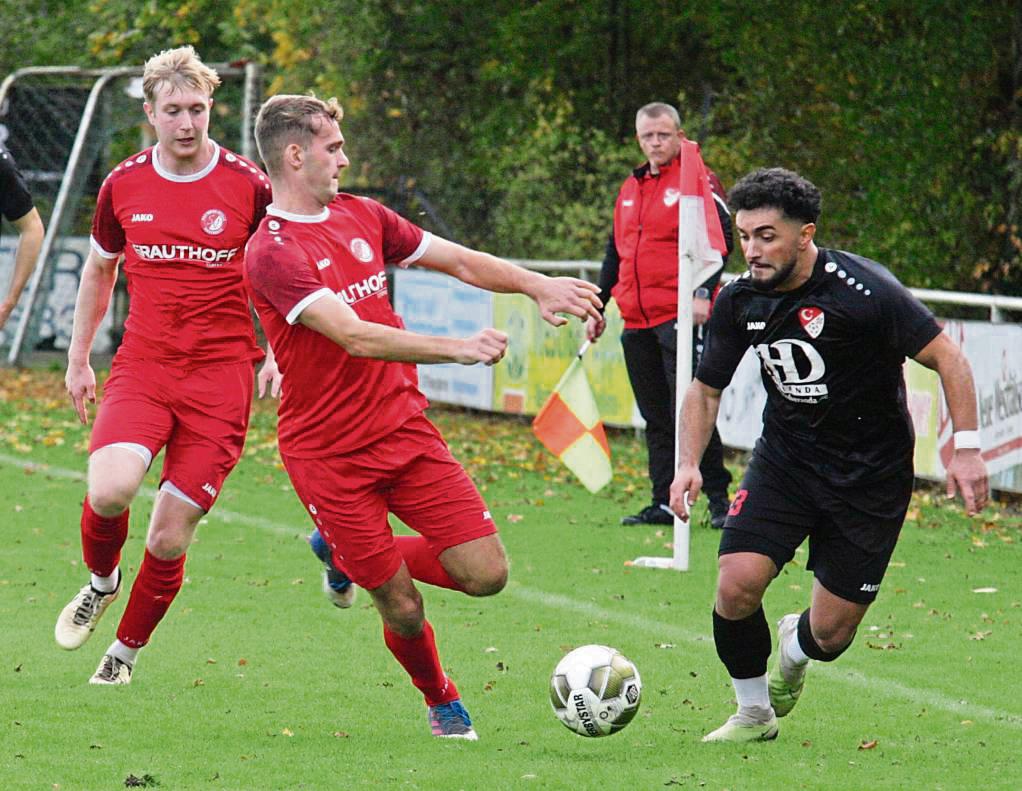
{"points": [[812, 321], [214, 222], [361, 250]]}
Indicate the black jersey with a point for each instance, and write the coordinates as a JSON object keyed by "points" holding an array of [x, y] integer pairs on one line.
{"points": [[831, 355], [15, 199]]}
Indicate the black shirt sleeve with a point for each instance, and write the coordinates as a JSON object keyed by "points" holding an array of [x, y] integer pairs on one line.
{"points": [[908, 324], [15, 199]]}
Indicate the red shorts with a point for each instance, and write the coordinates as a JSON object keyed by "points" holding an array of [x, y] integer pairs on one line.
{"points": [[200, 415], [409, 473]]}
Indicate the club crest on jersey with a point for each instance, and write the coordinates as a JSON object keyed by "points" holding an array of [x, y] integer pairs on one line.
{"points": [[671, 196], [214, 222], [812, 321], [361, 250]]}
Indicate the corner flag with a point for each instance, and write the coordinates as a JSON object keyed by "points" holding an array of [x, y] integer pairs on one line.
{"points": [[701, 242], [569, 426], [701, 251]]}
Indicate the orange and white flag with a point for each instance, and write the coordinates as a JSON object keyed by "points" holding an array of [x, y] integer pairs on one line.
{"points": [[569, 426]]}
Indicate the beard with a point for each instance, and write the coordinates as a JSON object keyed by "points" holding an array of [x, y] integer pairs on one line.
{"points": [[782, 273]]}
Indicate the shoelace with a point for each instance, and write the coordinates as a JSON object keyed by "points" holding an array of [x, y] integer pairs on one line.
{"points": [[87, 608], [109, 671]]}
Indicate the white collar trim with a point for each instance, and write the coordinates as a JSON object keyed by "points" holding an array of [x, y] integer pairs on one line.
{"points": [[292, 217], [162, 171]]}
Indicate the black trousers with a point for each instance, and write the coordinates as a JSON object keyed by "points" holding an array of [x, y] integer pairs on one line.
{"points": [[651, 359]]}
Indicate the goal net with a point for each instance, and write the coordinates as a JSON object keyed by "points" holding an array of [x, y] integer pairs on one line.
{"points": [[67, 127]]}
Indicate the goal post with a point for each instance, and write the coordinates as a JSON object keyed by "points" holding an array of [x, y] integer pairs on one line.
{"points": [[67, 127]]}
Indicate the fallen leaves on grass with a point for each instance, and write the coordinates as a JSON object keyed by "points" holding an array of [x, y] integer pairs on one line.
{"points": [[145, 781], [868, 745]]}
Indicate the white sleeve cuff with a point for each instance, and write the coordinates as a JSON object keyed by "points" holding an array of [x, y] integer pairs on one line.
{"points": [[420, 251], [296, 311], [100, 251]]}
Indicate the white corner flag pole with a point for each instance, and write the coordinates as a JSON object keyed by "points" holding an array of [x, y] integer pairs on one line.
{"points": [[686, 266]]}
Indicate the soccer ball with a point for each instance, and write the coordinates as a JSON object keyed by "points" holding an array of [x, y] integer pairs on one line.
{"points": [[595, 690]]}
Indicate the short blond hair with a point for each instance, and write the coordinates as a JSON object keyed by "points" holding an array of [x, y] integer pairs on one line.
{"points": [[179, 67], [657, 109], [289, 118]]}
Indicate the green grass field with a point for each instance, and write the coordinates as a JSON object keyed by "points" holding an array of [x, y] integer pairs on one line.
{"points": [[255, 682]]}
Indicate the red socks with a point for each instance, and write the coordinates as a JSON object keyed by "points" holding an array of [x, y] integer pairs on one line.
{"points": [[102, 539], [423, 563], [418, 656], [155, 587]]}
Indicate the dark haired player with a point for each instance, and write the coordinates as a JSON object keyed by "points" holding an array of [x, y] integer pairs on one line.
{"points": [[834, 462], [17, 206]]}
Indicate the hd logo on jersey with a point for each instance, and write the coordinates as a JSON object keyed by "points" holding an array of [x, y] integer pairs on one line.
{"points": [[796, 369], [812, 321]]}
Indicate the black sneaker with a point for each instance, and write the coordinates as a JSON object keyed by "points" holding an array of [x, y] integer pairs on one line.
{"points": [[654, 514], [718, 507]]}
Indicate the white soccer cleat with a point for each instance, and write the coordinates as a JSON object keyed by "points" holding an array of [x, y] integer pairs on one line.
{"points": [[786, 679], [78, 619], [111, 670], [748, 725], [341, 594]]}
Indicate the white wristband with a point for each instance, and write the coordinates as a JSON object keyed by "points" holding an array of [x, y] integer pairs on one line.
{"points": [[967, 440]]}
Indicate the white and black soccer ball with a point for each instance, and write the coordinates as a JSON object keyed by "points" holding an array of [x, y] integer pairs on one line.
{"points": [[595, 690]]}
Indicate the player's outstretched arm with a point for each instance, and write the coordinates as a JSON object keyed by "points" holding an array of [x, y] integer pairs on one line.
{"points": [[697, 419], [30, 242], [97, 284], [967, 472], [330, 316], [553, 295]]}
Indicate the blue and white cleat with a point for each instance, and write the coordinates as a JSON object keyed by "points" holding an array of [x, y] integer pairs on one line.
{"points": [[336, 585], [451, 721]]}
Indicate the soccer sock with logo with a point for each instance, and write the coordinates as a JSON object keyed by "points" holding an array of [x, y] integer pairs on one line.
{"points": [[155, 587], [102, 539], [423, 563], [419, 657]]}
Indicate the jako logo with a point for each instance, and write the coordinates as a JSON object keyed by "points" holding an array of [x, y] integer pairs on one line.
{"points": [[868, 588], [209, 489], [755, 325], [141, 217], [323, 264]]}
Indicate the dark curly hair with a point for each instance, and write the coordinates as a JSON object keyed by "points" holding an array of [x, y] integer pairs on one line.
{"points": [[797, 197]]}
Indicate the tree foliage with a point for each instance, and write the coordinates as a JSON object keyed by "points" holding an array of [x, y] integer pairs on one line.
{"points": [[516, 118]]}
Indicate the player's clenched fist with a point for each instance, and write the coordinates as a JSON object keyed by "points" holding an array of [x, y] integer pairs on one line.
{"points": [[487, 346]]}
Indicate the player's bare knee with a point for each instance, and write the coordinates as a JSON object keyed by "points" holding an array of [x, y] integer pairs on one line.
{"points": [[401, 610], [738, 597], [168, 543], [487, 581], [109, 498]]}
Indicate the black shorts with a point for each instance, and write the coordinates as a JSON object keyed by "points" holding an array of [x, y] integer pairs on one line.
{"points": [[851, 531]]}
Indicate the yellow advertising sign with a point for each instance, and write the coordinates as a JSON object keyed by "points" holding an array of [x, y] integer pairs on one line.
{"points": [[539, 354]]}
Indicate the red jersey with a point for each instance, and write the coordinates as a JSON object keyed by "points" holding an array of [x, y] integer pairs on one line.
{"points": [[183, 239], [331, 402]]}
